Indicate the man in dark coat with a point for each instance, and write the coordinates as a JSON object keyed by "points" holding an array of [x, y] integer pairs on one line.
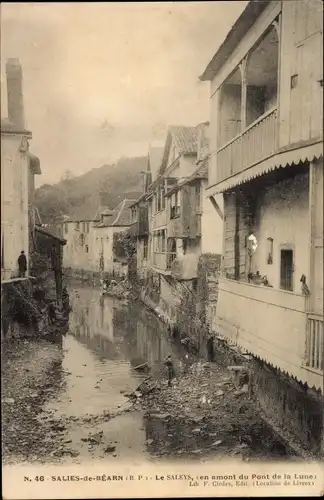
{"points": [[170, 368], [22, 264]]}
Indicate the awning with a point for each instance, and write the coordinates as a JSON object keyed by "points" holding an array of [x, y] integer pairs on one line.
{"points": [[280, 160]]}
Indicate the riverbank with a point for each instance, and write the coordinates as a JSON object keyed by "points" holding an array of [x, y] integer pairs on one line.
{"points": [[216, 417], [29, 372]]}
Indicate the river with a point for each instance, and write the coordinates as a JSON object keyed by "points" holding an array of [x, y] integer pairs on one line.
{"points": [[81, 414]]}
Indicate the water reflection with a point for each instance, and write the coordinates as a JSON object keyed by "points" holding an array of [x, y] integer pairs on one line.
{"points": [[106, 340], [115, 331]]}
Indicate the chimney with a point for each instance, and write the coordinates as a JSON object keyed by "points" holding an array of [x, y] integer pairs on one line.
{"points": [[15, 93]]}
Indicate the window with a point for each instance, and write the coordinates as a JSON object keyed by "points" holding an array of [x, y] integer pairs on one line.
{"points": [[270, 250], [286, 270], [145, 245], [86, 249], [293, 81], [77, 225], [66, 228], [184, 246], [198, 197], [83, 227], [162, 198], [82, 239], [88, 227], [163, 241], [175, 205]]}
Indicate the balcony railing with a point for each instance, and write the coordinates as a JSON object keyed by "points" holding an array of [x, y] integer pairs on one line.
{"points": [[257, 142], [276, 331], [315, 343], [159, 219]]}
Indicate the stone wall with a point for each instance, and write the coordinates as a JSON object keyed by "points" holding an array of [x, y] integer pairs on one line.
{"points": [[290, 406], [183, 305], [20, 314]]}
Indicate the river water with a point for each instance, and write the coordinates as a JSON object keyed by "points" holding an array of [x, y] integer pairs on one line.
{"points": [[107, 339]]}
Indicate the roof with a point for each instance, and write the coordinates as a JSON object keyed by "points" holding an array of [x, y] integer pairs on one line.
{"points": [[185, 138], [50, 232], [202, 170], [107, 211], [248, 17], [121, 215], [101, 209]]}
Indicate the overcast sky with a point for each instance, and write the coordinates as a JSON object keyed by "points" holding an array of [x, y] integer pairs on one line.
{"points": [[103, 80]]}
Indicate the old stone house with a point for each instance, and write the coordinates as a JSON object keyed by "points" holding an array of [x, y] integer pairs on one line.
{"points": [[18, 168]]}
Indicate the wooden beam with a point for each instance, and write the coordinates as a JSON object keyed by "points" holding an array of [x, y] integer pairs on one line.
{"points": [[216, 207]]}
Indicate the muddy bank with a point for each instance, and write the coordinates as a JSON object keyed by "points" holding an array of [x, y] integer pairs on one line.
{"points": [[208, 415], [30, 374]]}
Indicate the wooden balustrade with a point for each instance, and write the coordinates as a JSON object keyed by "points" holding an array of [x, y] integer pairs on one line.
{"points": [[315, 342], [257, 142]]}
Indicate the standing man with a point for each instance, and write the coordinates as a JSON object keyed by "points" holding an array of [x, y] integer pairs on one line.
{"points": [[22, 264], [170, 368]]}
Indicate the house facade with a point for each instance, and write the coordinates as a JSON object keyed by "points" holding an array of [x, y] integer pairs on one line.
{"points": [[173, 220], [140, 212], [90, 239], [78, 231], [266, 159], [178, 208], [18, 168], [106, 258]]}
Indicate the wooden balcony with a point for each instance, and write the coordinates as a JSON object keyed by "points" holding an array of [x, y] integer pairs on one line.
{"points": [[140, 227], [256, 143], [272, 325], [159, 219], [179, 228]]}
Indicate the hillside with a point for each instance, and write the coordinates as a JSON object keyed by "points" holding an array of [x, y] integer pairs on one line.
{"points": [[119, 181]]}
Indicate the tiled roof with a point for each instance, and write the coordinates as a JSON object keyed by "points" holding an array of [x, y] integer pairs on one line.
{"points": [[121, 215], [202, 170], [50, 231], [185, 138]]}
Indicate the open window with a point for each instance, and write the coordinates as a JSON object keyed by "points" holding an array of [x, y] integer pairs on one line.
{"points": [[269, 251]]}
